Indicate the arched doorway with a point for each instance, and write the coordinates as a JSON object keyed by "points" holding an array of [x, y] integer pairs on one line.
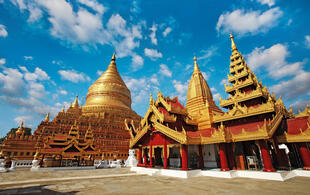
{"points": [[158, 156]]}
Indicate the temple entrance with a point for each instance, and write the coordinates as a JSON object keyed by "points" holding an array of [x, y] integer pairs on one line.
{"points": [[158, 157], [210, 156], [174, 159]]}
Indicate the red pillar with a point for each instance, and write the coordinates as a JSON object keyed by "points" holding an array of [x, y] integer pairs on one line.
{"points": [[224, 164], [140, 155], [266, 156], [184, 157], [305, 155], [145, 157], [165, 156], [200, 157], [231, 156]]}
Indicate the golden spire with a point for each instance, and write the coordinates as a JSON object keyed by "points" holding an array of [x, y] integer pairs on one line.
{"points": [[113, 57], [20, 129], [75, 103], [47, 117], [233, 45], [196, 68], [199, 95], [151, 100], [63, 109]]}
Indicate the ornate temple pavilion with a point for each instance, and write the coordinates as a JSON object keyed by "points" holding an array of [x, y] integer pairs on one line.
{"points": [[256, 131], [81, 134]]}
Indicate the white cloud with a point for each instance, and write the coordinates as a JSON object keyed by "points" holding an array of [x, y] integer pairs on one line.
{"points": [[216, 96], [164, 70], [38, 74], [28, 57], [2, 62], [36, 90], [307, 41], [63, 92], [3, 32], [167, 31], [266, 2], [293, 88], [206, 54], [205, 75], [141, 88], [123, 38], [11, 82], [241, 21], [181, 89], [137, 62], [35, 12], [273, 59], [77, 25], [300, 105], [153, 34], [31, 104], [224, 81], [99, 72], [152, 53], [24, 119], [135, 7], [93, 4], [73, 76]]}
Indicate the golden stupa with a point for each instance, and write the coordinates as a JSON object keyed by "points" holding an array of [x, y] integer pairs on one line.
{"points": [[98, 126], [108, 93]]}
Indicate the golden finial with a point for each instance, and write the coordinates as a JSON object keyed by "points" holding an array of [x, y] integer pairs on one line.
{"points": [[113, 57], [233, 45], [63, 109], [196, 68], [76, 103], [47, 117]]}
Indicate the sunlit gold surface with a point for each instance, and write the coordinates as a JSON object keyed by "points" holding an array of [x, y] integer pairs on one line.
{"points": [[108, 91]]}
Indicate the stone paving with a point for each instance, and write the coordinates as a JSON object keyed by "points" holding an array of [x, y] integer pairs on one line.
{"points": [[143, 184]]}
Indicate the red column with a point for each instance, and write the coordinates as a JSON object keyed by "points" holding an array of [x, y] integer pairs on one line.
{"points": [[140, 155], [184, 157], [145, 157], [224, 164], [165, 156], [305, 155], [231, 156], [266, 156], [200, 157]]}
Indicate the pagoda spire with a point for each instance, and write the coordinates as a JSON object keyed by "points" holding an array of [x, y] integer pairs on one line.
{"points": [[196, 67], [233, 44], [47, 117], [75, 103], [20, 129], [113, 56], [199, 95]]}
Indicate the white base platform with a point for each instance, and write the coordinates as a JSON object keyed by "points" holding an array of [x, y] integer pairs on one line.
{"points": [[64, 168], [276, 176]]}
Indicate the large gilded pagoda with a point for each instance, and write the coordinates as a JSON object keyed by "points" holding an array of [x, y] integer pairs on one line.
{"points": [[81, 134], [256, 131]]}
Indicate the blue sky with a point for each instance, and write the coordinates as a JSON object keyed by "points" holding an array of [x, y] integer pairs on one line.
{"points": [[52, 50]]}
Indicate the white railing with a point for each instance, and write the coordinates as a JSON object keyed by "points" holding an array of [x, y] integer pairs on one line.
{"points": [[23, 163]]}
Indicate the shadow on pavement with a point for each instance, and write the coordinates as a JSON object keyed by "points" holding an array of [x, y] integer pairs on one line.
{"points": [[34, 190]]}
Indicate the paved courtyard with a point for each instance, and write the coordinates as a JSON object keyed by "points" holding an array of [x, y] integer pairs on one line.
{"points": [[122, 183]]}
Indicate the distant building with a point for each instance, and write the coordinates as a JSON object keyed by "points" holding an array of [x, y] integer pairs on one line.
{"points": [[256, 132]]}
